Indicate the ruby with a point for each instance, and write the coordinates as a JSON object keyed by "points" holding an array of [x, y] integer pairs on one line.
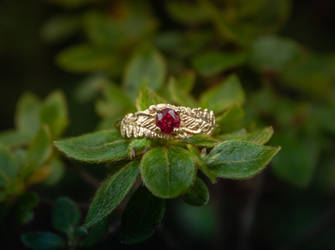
{"points": [[167, 119]]}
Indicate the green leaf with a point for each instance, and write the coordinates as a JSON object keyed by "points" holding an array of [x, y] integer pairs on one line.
{"points": [[146, 98], [179, 96], [139, 145], [239, 159], [85, 58], [60, 27], [233, 114], [95, 233], [100, 146], [40, 149], [8, 166], [188, 13], [271, 53], [42, 240], [198, 195], [143, 213], [186, 81], [14, 138], [111, 193], [57, 171], [201, 163], [54, 113], [27, 117], [25, 207], [214, 62], [168, 172], [202, 140], [147, 67], [260, 136], [120, 31], [65, 215], [297, 162], [227, 93]]}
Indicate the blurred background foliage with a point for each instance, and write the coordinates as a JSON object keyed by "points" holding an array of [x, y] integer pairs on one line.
{"points": [[99, 54]]}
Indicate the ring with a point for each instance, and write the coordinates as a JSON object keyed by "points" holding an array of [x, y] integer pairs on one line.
{"points": [[167, 121]]}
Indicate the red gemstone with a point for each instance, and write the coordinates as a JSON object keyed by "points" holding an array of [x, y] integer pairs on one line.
{"points": [[167, 119]]}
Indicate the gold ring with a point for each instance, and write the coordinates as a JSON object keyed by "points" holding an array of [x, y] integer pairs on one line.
{"points": [[168, 122]]}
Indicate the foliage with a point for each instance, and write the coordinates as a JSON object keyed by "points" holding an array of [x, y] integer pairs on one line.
{"points": [[227, 56]]}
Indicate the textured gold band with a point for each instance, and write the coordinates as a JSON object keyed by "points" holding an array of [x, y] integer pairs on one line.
{"points": [[192, 121]]}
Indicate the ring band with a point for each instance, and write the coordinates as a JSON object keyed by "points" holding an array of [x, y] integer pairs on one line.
{"points": [[168, 122]]}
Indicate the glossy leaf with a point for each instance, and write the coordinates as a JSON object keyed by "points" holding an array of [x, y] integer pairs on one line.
{"points": [[65, 215], [147, 67], [168, 172], [42, 240], [198, 195], [239, 159], [143, 213], [215, 62], [111, 193], [54, 113], [146, 98], [227, 93], [27, 117], [100, 146]]}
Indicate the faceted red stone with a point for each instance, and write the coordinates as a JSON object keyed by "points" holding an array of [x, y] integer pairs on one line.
{"points": [[167, 119]]}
